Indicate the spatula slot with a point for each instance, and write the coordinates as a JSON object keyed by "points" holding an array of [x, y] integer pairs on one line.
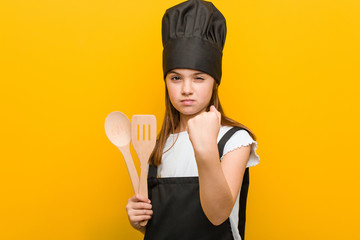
{"points": [[143, 133]]}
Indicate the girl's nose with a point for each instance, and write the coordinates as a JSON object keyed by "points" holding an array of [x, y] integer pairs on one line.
{"points": [[186, 88]]}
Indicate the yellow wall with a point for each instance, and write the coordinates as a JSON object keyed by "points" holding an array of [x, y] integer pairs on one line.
{"points": [[290, 73]]}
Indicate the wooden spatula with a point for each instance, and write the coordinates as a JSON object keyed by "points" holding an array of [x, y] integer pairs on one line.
{"points": [[143, 136]]}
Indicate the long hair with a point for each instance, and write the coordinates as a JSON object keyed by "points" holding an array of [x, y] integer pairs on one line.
{"points": [[172, 119]]}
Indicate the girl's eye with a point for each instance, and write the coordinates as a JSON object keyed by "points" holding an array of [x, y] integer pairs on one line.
{"points": [[199, 78], [175, 78]]}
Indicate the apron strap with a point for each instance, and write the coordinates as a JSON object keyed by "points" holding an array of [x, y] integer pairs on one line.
{"points": [[242, 203], [226, 137], [152, 171]]}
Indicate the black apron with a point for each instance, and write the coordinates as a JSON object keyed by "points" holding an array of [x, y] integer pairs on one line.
{"points": [[177, 211]]}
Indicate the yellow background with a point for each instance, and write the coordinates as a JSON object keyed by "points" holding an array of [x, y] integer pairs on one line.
{"points": [[290, 73]]}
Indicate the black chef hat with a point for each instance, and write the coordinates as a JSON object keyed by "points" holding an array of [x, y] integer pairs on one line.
{"points": [[193, 36]]}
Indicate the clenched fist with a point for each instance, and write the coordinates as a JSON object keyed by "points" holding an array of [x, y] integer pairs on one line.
{"points": [[203, 129]]}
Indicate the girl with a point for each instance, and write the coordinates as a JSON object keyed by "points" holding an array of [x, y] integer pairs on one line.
{"points": [[197, 167]]}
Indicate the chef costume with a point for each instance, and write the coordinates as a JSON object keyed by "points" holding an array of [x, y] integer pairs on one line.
{"points": [[193, 37]]}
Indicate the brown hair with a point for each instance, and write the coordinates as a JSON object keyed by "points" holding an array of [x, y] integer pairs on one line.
{"points": [[172, 119]]}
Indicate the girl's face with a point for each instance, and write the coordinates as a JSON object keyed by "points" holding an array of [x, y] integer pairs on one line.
{"points": [[189, 90]]}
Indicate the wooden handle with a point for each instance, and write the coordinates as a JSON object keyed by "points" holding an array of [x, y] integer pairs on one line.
{"points": [[131, 167], [143, 223], [143, 189]]}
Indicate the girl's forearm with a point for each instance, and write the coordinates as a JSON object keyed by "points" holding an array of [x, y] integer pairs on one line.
{"points": [[216, 198]]}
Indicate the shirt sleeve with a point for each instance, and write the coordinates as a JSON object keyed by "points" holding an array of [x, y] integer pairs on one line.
{"points": [[239, 139]]}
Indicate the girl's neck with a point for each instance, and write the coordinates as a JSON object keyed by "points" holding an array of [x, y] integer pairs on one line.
{"points": [[183, 123]]}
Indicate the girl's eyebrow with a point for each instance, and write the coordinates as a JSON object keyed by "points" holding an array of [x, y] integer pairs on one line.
{"points": [[197, 73]]}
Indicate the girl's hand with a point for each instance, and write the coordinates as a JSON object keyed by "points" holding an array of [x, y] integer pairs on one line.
{"points": [[203, 129], [138, 210]]}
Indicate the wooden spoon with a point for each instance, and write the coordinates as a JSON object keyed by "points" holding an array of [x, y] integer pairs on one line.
{"points": [[118, 129]]}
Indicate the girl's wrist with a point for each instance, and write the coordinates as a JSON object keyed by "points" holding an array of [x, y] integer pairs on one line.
{"points": [[207, 154], [204, 145]]}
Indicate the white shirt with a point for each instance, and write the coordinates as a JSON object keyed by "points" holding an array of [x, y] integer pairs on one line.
{"points": [[179, 161]]}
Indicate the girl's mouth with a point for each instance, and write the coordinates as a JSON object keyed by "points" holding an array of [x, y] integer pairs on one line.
{"points": [[187, 102]]}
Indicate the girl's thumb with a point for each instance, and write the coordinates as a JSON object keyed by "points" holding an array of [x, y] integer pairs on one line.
{"points": [[213, 109]]}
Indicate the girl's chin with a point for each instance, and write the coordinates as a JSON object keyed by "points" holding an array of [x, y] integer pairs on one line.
{"points": [[189, 111], [186, 110]]}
